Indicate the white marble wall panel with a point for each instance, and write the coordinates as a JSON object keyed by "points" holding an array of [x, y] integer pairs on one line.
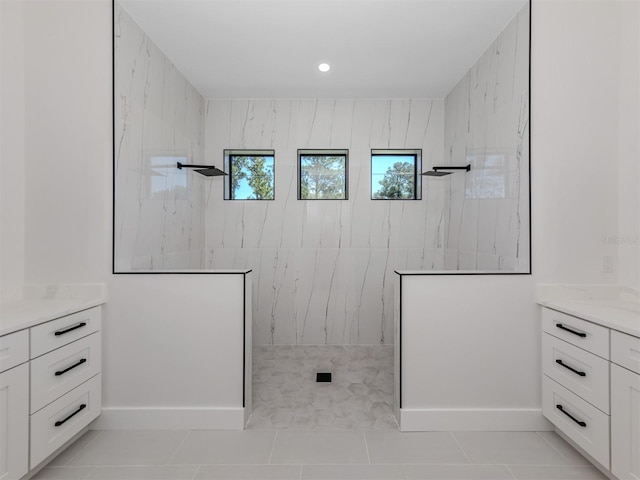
{"points": [[486, 125], [323, 270], [159, 221]]}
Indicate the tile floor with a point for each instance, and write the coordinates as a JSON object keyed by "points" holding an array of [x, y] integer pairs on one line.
{"points": [[371, 454], [301, 429], [286, 394]]}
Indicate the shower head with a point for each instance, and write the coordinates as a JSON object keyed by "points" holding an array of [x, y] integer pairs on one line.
{"points": [[211, 172], [206, 170], [434, 173]]}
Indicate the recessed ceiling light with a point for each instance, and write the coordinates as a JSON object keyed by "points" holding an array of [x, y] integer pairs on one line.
{"points": [[324, 67]]}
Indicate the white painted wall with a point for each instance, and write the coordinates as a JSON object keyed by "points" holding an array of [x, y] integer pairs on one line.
{"points": [[575, 138], [629, 147], [12, 147], [67, 111], [68, 132]]}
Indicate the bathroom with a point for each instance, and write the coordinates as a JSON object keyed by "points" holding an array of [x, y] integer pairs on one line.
{"points": [[57, 225]]}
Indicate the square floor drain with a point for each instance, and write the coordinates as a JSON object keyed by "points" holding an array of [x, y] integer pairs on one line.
{"points": [[323, 377]]}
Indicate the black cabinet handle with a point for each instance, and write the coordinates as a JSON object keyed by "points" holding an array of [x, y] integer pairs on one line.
{"points": [[80, 408], [562, 327], [577, 372], [70, 329], [62, 372], [582, 424]]}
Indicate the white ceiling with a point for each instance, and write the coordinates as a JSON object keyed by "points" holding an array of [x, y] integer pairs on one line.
{"points": [[271, 48]]}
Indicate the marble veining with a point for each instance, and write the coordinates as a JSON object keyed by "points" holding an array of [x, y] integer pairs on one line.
{"points": [[487, 126], [159, 120], [323, 269]]}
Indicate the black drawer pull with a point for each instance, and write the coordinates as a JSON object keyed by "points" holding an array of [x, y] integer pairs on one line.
{"points": [[562, 327], [582, 424], [80, 408], [70, 329], [577, 372], [62, 372]]}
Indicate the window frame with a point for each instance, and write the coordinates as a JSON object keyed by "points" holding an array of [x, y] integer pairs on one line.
{"points": [[416, 153], [335, 152], [228, 179]]}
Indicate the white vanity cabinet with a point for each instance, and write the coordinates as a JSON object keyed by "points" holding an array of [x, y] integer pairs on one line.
{"points": [[50, 388], [625, 406], [591, 389], [14, 405]]}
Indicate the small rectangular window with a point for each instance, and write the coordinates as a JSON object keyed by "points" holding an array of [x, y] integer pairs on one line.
{"points": [[395, 174], [251, 174], [322, 174]]}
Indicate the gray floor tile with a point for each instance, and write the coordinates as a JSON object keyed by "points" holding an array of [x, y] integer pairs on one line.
{"points": [[143, 473], [130, 447], [353, 472], [458, 472], [63, 473], [209, 447], [319, 447], [249, 472], [518, 448], [571, 472], [567, 451], [413, 447], [73, 449]]}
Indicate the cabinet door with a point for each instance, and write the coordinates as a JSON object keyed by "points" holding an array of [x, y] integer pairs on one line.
{"points": [[14, 422], [625, 423]]}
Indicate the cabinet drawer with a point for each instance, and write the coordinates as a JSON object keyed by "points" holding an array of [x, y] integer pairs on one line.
{"points": [[584, 373], [56, 423], [565, 409], [57, 333], [60, 371], [625, 351], [14, 349], [586, 335]]}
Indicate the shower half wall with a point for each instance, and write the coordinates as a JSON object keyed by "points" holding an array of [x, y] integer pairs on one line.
{"points": [[323, 270]]}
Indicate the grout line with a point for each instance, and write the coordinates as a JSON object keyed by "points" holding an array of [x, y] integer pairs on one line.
{"points": [[513, 475], [300, 477], [273, 446], [554, 448], [197, 471], [404, 469], [460, 447], [82, 448], [179, 447], [366, 446]]}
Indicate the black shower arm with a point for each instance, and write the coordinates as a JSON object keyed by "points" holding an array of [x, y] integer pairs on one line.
{"points": [[182, 165], [453, 167]]}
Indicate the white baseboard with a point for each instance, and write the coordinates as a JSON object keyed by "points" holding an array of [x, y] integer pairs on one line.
{"points": [[470, 420], [158, 418]]}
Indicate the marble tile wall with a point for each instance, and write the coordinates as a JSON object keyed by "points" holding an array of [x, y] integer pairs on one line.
{"points": [[159, 119], [487, 125], [323, 270]]}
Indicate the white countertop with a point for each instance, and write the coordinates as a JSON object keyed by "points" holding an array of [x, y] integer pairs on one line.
{"points": [[38, 303], [607, 308], [16, 316]]}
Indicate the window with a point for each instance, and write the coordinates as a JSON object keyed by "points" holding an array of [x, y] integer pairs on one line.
{"points": [[395, 174], [322, 174], [251, 174]]}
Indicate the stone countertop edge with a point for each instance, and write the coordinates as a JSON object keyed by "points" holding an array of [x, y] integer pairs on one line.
{"points": [[619, 315], [15, 316]]}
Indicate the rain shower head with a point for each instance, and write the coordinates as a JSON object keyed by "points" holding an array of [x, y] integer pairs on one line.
{"points": [[436, 172], [206, 170]]}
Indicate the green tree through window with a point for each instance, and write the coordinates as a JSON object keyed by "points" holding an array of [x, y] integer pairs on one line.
{"points": [[393, 176], [323, 176], [251, 177]]}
